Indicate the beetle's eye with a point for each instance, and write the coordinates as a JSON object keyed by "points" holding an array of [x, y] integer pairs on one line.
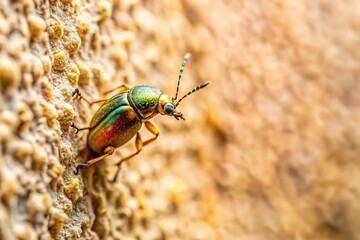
{"points": [[168, 108]]}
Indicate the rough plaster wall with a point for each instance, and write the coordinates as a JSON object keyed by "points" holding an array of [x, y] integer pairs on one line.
{"points": [[268, 151]]}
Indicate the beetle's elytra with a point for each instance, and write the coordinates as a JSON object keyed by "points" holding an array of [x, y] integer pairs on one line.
{"points": [[120, 117]]}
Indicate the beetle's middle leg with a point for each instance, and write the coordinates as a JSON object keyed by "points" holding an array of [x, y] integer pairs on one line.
{"points": [[80, 129], [120, 89], [139, 144], [107, 152], [77, 93]]}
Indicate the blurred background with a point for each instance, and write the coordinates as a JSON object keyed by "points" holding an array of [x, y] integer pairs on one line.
{"points": [[269, 150]]}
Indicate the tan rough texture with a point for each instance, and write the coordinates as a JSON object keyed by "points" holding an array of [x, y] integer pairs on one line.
{"points": [[269, 150]]}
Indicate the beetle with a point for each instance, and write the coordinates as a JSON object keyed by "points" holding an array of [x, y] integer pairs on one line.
{"points": [[120, 118]]}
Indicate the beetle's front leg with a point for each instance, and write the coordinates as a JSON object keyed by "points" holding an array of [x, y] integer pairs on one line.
{"points": [[77, 93], [139, 144], [107, 152]]}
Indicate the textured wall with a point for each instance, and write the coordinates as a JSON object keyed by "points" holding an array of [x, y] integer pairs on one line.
{"points": [[269, 150]]}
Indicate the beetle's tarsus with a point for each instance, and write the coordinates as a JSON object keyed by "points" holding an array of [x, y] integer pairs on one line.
{"points": [[117, 171], [74, 126], [76, 92], [81, 166], [79, 129]]}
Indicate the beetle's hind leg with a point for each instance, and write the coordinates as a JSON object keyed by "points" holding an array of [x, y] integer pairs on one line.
{"points": [[108, 152], [80, 96], [139, 144]]}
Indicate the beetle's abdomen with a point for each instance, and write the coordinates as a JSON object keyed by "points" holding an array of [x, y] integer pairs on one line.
{"points": [[116, 101], [114, 130], [117, 128]]}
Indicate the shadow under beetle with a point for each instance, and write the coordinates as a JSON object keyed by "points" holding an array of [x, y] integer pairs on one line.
{"points": [[120, 118]]}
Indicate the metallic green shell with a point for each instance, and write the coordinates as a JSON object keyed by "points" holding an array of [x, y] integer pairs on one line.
{"points": [[144, 99], [114, 124], [109, 106]]}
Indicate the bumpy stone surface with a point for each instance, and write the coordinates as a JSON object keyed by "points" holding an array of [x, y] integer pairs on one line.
{"points": [[269, 150]]}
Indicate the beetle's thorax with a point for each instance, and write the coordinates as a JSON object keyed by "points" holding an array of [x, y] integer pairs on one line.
{"points": [[144, 100]]}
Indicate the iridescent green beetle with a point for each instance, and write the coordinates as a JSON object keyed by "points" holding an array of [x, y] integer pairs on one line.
{"points": [[120, 118]]}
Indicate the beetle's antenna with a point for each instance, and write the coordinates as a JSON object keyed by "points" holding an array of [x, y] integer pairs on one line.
{"points": [[186, 58], [195, 89]]}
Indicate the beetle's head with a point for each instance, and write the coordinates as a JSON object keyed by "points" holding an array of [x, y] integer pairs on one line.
{"points": [[168, 107]]}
